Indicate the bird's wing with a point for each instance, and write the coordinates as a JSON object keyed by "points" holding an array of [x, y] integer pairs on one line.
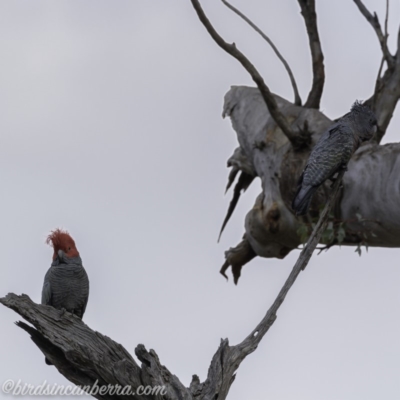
{"points": [[327, 155], [87, 294], [46, 291]]}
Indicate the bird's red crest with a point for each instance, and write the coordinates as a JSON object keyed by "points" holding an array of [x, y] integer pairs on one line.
{"points": [[62, 240]]}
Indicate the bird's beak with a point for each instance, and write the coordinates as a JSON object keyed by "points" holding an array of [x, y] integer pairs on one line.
{"points": [[60, 254]]}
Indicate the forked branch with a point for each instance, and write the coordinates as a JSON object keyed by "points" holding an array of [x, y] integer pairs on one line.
{"points": [[387, 88], [382, 37], [297, 99], [296, 139]]}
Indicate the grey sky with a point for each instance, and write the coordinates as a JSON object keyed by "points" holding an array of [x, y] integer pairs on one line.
{"points": [[111, 128]]}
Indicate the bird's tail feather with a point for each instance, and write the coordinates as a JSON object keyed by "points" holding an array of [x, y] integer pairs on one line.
{"points": [[302, 200]]}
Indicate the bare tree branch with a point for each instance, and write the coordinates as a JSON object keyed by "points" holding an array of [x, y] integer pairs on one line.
{"points": [[374, 21], [271, 229], [297, 99], [300, 265], [387, 90], [85, 357], [296, 140], [378, 79], [236, 354], [310, 18], [386, 21]]}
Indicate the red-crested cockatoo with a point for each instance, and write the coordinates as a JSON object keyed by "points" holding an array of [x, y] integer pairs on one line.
{"points": [[66, 284]]}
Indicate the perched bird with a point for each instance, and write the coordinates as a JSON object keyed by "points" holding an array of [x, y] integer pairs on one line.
{"points": [[66, 284], [333, 151]]}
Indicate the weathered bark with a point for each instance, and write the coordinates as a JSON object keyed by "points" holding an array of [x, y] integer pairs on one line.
{"points": [[88, 358], [85, 356], [274, 138], [368, 205]]}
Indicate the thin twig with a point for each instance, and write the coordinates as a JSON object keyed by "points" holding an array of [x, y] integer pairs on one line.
{"points": [[268, 97], [255, 337], [228, 358], [374, 21], [297, 99], [386, 21], [310, 18], [386, 38]]}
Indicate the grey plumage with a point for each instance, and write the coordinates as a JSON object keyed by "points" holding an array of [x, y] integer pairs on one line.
{"points": [[333, 151], [66, 284]]}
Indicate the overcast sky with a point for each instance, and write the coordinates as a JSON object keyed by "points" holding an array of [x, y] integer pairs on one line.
{"points": [[111, 128]]}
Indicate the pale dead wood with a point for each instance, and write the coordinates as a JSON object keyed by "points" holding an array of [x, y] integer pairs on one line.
{"points": [[271, 229]]}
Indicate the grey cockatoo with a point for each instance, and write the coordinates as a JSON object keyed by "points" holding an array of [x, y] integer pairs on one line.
{"points": [[333, 151], [66, 284]]}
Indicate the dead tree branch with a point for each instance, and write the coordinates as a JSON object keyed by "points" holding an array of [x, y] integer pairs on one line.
{"points": [[310, 18], [296, 139], [255, 337], [271, 229], [86, 357], [386, 21], [382, 37], [387, 88], [297, 99]]}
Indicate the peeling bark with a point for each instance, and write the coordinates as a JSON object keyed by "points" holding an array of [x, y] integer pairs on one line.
{"points": [[275, 139], [368, 202]]}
